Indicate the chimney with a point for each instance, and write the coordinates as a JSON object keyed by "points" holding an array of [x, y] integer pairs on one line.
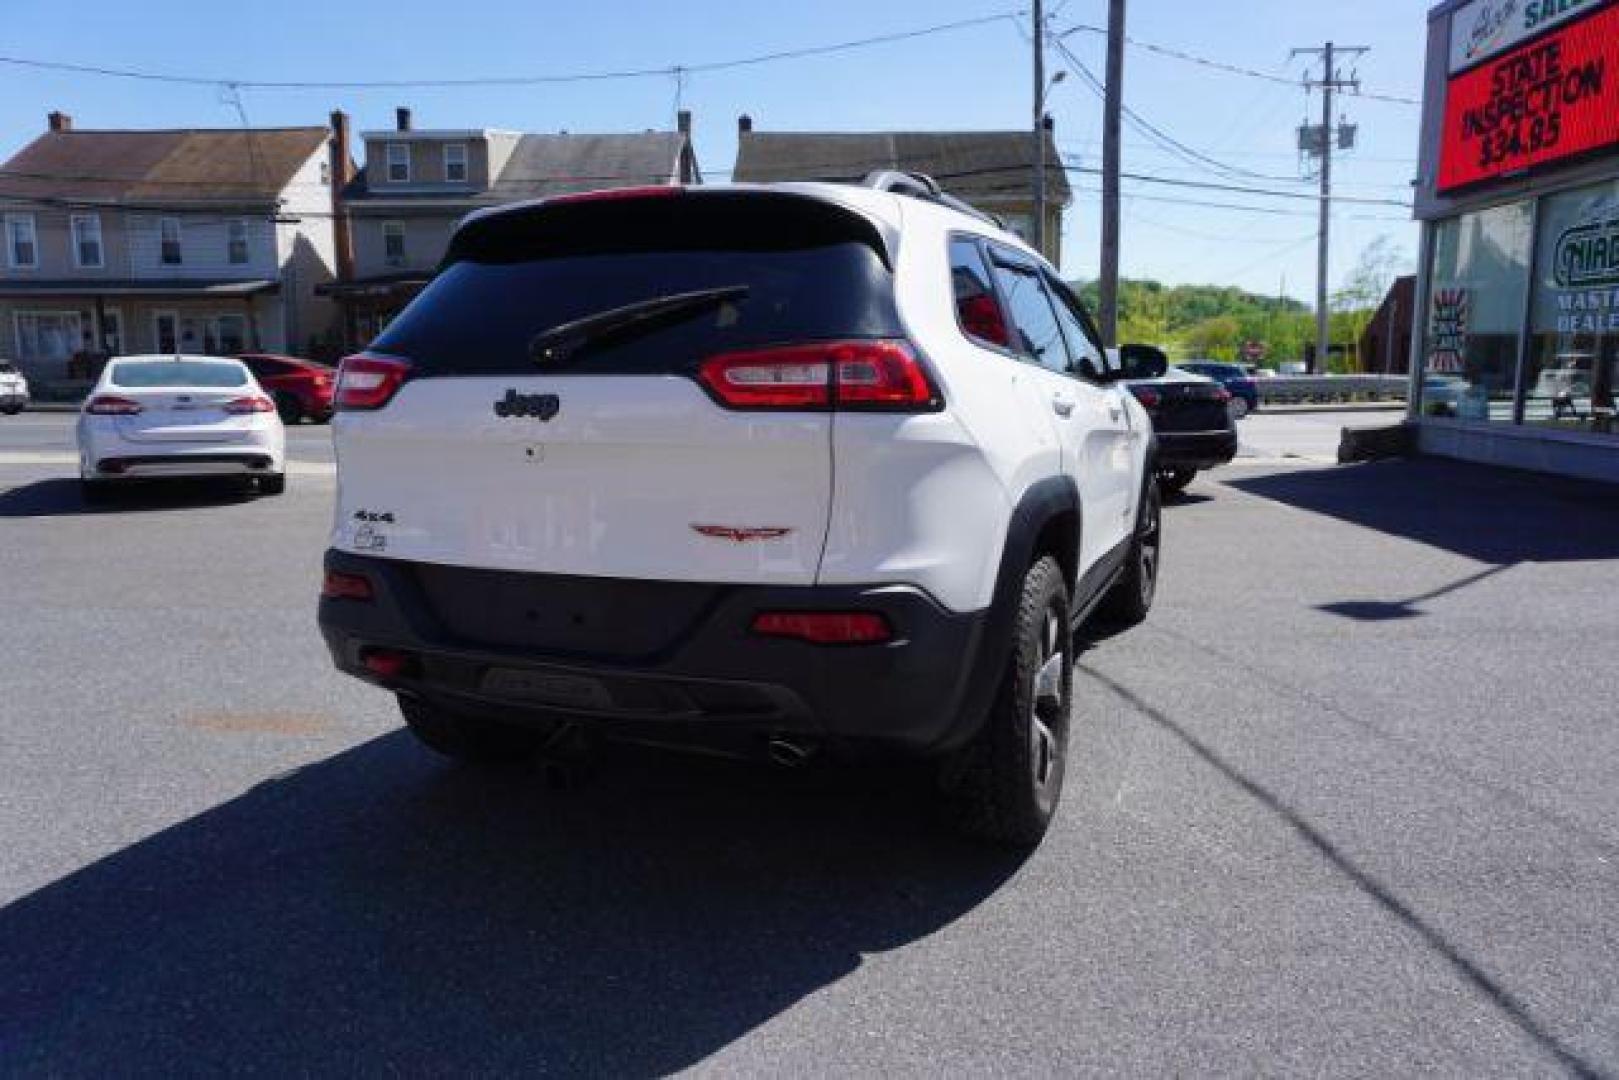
{"points": [[402, 118], [60, 121], [342, 173], [688, 156], [744, 124]]}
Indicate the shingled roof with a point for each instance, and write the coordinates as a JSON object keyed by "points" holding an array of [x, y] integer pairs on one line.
{"points": [[174, 166], [542, 165], [974, 165]]}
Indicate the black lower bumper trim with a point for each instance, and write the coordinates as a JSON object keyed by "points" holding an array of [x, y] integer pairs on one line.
{"points": [[907, 692], [1196, 449]]}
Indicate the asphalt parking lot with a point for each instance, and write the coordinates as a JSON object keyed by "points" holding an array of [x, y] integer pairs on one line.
{"points": [[1344, 805]]}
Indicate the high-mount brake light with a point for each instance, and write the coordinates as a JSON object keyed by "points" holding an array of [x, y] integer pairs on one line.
{"points": [[653, 191], [112, 405], [874, 375], [366, 382]]}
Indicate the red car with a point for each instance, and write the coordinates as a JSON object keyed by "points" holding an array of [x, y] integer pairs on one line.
{"points": [[301, 388]]}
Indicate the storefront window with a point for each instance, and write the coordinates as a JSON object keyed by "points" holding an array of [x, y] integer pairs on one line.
{"points": [[1475, 312], [1574, 325]]}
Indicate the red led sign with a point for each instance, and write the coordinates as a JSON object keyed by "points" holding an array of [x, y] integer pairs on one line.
{"points": [[1550, 99]]}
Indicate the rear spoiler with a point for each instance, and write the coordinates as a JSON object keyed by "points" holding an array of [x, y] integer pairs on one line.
{"points": [[639, 219]]}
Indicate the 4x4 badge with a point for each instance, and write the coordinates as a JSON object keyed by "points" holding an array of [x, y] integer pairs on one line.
{"points": [[541, 406]]}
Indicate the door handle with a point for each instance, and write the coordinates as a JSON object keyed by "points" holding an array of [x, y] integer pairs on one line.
{"points": [[1061, 405]]}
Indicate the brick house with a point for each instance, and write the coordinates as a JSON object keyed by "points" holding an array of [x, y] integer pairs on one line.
{"points": [[194, 240]]}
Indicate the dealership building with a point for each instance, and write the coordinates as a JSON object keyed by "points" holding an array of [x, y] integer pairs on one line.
{"points": [[1515, 359]]}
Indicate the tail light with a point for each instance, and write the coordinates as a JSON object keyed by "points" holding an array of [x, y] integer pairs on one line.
{"points": [[369, 382], [1222, 395], [337, 585], [825, 627], [872, 375], [1147, 396], [112, 405], [244, 405]]}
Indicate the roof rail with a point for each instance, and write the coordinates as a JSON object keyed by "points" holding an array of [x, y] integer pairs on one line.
{"points": [[922, 186]]}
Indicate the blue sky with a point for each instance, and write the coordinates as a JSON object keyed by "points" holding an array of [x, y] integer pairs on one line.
{"points": [[971, 78]]}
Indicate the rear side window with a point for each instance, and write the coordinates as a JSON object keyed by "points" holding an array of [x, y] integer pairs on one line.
{"points": [[812, 272], [1038, 335], [977, 308], [176, 373]]}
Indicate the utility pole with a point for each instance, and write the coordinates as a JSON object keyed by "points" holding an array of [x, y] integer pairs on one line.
{"points": [[1318, 142], [1038, 128], [1113, 104]]}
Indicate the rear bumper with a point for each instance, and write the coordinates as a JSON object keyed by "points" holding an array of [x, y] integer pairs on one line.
{"points": [[106, 454], [13, 399], [1196, 449], [709, 679]]}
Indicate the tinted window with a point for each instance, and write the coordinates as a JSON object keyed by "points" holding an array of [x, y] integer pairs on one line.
{"points": [[810, 271], [1085, 356], [977, 308], [1038, 335], [158, 373]]}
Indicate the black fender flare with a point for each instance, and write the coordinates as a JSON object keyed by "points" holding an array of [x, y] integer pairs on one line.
{"points": [[1039, 505]]}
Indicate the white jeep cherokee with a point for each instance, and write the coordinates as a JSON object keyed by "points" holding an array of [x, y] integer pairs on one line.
{"points": [[759, 468]]}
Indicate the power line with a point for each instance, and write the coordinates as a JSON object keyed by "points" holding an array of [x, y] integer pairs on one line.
{"points": [[1232, 69], [1166, 141], [667, 71]]}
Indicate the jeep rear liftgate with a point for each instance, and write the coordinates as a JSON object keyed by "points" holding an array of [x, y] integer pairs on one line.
{"points": [[628, 388]]}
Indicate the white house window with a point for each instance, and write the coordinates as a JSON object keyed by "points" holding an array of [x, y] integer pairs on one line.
{"points": [[236, 243], [455, 163], [225, 335], [22, 246], [398, 163], [393, 242], [48, 335], [87, 241], [168, 233]]}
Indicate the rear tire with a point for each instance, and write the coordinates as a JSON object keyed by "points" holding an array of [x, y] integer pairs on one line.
{"points": [[273, 485], [1175, 481], [1128, 602], [1239, 408], [1005, 784], [289, 408], [468, 738]]}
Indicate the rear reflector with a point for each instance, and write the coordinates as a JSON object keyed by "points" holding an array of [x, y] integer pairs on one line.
{"points": [[388, 663], [824, 627], [340, 586], [369, 382], [875, 375], [244, 405], [111, 405]]}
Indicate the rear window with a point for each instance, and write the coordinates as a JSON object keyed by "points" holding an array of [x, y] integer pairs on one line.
{"points": [[813, 272], [160, 373]]}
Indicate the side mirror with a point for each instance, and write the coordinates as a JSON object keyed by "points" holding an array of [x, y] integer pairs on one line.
{"points": [[1142, 362]]}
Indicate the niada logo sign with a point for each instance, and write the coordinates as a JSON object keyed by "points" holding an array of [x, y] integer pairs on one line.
{"points": [[1486, 27], [1587, 255]]}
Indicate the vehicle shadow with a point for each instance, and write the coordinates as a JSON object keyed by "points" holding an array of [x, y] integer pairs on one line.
{"points": [[1492, 515], [381, 911], [60, 497]]}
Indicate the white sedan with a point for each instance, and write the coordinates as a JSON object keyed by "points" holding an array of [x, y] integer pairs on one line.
{"points": [[152, 416]]}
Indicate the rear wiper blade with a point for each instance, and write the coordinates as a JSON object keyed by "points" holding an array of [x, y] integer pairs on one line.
{"points": [[557, 344]]}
